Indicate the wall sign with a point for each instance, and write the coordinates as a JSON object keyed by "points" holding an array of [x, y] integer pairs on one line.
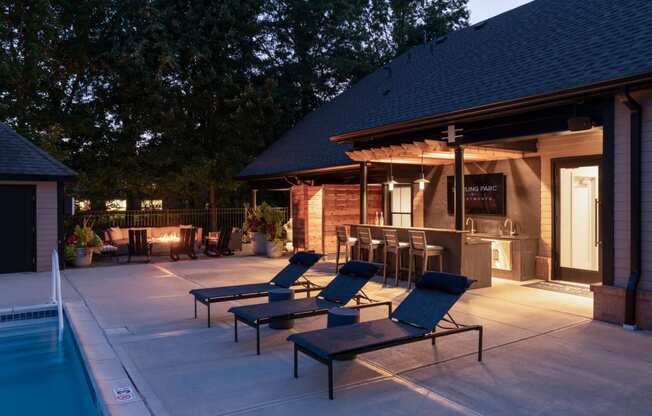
{"points": [[483, 194]]}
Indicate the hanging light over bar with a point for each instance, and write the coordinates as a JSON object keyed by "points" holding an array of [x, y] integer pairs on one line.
{"points": [[422, 181], [391, 182]]}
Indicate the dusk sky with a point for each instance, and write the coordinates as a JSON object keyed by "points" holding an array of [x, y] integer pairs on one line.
{"points": [[484, 9]]}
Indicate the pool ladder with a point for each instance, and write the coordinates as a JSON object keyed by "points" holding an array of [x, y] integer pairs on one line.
{"points": [[55, 294]]}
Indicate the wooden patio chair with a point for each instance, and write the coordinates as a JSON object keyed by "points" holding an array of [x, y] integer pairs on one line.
{"points": [[185, 245], [139, 245]]}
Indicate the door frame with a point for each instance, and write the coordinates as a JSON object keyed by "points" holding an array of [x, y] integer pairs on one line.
{"points": [[571, 162], [33, 191]]}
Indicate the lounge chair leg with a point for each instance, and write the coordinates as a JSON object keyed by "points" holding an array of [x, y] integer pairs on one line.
{"points": [[195, 308], [480, 344], [209, 314], [330, 379], [257, 339], [296, 361], [235, 328]]}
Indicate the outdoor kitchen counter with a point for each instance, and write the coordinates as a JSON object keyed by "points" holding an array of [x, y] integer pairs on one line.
{"points": [[468, 257]]}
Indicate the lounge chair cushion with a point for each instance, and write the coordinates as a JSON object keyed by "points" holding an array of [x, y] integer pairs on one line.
{"points": [[342, 339], [289, 275], [360, 269], [305, 258], [282, 309], [348, 282], [445, 282]]}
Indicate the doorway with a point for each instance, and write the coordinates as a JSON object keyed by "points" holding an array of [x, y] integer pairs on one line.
{"points": [[577, 256], [18, 222]]}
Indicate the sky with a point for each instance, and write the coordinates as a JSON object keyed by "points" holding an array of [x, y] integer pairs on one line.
{"points": [[484, 9]]}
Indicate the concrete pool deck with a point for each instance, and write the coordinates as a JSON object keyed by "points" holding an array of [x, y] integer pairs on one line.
{"points": [[543, 354]]}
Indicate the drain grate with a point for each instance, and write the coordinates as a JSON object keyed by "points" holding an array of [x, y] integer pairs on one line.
{"points": [[562, 288]]}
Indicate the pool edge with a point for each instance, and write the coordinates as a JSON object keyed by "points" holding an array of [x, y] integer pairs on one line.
{"points": [[104, 368]]}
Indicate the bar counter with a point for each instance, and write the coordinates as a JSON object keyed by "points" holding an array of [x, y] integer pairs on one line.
{"points": [[470, 257]]}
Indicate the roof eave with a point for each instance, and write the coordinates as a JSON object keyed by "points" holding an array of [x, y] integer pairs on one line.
{"points": [[638, 81], [303, 172]]}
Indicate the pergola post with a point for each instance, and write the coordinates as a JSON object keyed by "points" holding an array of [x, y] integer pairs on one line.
{"points": [[254, 198], [363, 192], [459, 188]]}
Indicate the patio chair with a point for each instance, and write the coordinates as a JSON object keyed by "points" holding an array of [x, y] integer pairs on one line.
{"points": [[346, 286], [417, 318], [291, 275], [185, 245], [139, 245]]}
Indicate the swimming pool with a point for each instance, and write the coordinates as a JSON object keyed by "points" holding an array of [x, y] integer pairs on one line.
{"points": [[40, 375]]}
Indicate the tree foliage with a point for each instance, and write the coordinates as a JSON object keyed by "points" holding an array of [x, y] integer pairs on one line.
{"points": [[166, 99]]}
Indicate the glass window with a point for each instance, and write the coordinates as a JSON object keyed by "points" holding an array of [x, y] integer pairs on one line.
{"points": [[116, 205], [401, 206], [151, 204]]}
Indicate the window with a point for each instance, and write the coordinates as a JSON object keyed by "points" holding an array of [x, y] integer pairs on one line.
{"points": [[116, 205], [151, 204], [401, 207], [82, 204]]}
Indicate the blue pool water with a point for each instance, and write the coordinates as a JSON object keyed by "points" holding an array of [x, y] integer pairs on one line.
{"points": [[40, 375]]}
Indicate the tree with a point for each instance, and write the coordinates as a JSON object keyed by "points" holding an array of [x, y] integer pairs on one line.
{"points": [[169, 100]]}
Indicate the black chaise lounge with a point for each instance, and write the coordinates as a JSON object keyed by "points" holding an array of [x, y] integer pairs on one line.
{"points": [[346, 286], [417, 318], [291, 275]]}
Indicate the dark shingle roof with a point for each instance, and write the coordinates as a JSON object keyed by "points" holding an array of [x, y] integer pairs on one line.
{"points": [[543, 47], [20, 158]]}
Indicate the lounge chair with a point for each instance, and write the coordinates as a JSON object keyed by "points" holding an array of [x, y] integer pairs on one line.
{"points": [[346, 286], [299, 264], [416, 319]]}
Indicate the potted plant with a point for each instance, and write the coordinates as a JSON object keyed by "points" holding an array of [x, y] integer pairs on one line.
{"points": [[85, 242], [255, 227], [264, 223]]}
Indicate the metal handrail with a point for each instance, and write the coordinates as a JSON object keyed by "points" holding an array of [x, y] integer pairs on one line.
{"points": [[55, 295]]}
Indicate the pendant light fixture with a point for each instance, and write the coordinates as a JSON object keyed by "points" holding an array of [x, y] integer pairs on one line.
{"points": [[422, 181], [391, 182]]}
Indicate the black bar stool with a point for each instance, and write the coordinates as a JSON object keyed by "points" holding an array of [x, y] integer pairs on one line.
{"points": [[366, 242], [419, 247], [343, 239], [395, 247]]}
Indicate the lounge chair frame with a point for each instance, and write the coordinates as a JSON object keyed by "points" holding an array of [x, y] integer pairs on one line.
{"points": [[359, 299], [306, 286], [456, 328]]}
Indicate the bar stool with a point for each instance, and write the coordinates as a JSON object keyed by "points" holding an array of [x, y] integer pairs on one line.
{"points": [[393, 246], [366, 242], [419, 247], [343, 239]]}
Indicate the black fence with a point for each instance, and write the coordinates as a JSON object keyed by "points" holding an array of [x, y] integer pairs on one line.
{"points": [[211, 219]]}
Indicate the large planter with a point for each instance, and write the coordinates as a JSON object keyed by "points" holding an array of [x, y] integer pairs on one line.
{"points": [[274, 251], [83, 257], [259, 242]]}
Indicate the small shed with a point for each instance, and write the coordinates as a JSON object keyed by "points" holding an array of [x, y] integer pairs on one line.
{"points": [[31, 204]]}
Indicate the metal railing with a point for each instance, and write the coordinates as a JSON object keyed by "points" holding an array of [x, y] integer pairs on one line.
{"points": [[210, 219], [55, 294]]}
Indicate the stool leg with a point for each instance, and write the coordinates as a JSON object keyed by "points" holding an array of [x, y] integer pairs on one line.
{"points": [[398, 266], [346, 252], [410, 263], [441, 262], [337, 258], [385, 266]]}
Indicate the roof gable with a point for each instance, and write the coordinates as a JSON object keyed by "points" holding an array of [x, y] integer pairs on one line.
{"points": [[21, 158]]}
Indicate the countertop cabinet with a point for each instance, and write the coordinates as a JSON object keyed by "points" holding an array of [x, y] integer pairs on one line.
{"points": [[521, 255]]}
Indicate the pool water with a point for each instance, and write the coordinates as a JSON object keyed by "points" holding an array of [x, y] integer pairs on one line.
{"points": [[40, 375]]}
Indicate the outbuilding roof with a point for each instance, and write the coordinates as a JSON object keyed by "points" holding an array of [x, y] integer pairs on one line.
{"points": [[21, 159], [541, 48]]}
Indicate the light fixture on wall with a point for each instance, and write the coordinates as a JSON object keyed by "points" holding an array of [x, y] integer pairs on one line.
{"points": [[422, 181], [391, 182]]}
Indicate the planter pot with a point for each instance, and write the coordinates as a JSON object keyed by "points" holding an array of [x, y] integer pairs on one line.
{"points": [[273, 250], [83, 257], [259, 242], [247, 249]]}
